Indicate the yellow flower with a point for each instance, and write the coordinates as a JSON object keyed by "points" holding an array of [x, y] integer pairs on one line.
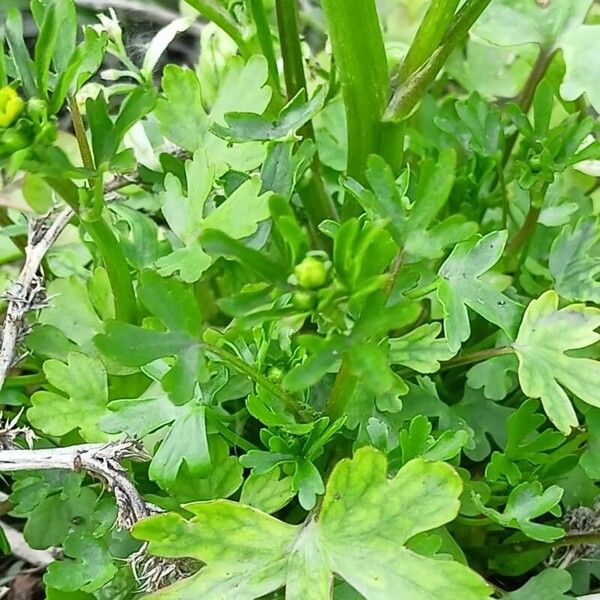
{"points": [[11, 106]]}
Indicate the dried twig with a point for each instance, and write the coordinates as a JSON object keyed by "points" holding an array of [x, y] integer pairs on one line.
{"points": [[102, 461], [21, 549], [99, 460], [28, 292], [578, 521]]}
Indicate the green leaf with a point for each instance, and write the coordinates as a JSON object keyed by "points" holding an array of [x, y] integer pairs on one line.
{"points": [[83, 63], [44, 47], [580, 50], [243, 88], [477, 126], [552, 26], [550, 584], [107, 134], [574, 261], [184, 121], [243, 127], [56, 516], [71, 312], [267, 492], [416, 442], [530, 22], [371, 364], [224, 478], [88, 566], [219, 244], [83, 380], [175, 305], [421, 349], [181, 429], [496, 376], [526, 502], [528, 442], [250, 554], [461, 287], [589, 459], [19, 52], [180, 112], [414, 226], [238, 216], [545, 370]]}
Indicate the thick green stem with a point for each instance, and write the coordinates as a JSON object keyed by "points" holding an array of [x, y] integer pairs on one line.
{"points": [[291, 52], [265, 40], [84, 147], [410, 93], [360, 58], [109, 247], [431, 31], [317, 202], [218, 14], [110, 250]]}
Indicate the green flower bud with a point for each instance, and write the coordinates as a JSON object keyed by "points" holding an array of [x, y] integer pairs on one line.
{"points": [[37, 109], [311, 273], [275, 374], [303, 300]]}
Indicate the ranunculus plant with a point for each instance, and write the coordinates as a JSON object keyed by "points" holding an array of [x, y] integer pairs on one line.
{"points": [[311, 314]]}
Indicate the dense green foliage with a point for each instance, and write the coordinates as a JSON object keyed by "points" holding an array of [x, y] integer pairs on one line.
{"points": [[345, 294]]}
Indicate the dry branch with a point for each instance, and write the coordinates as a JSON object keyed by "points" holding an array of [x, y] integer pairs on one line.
{"points": [[28, 292], [99, 460]]}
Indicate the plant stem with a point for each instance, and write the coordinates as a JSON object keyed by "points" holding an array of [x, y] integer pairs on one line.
{"points": [[297, 408], [84, 147], [431, 31], [109, 247], [232, 436], [340, 392], [360, 58], [475, 357], [526, 97], [537, 194], [265, 40], [577, 539], [464, 360], [526, 230], [316, 201], [24, 380], [218, 14], [291, 52], [408, 95]]}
